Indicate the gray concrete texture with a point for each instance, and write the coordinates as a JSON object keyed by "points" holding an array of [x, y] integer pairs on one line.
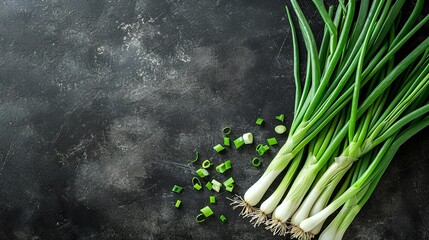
{"points": [[103, 102]]}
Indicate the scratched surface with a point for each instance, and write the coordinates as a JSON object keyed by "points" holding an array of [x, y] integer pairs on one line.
{"points": [[103, 102]]}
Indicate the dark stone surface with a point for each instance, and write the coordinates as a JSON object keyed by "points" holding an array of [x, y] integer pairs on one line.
{"points": [[102, 103]]}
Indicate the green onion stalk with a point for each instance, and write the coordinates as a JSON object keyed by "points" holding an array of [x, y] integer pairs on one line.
{"points": [[295, 195]]}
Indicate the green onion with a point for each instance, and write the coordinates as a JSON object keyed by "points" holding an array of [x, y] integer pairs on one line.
{"points": [[248, 138], [226, 131], [177, 189], [212, 199], [202, 173], [259, 121], [200, 218], [238, 142], [280, 129], [256, 162], [196, 156], [222, 218], [206, 211], [226, 141], [221, 168], [227, 164], [272, 141], [196, 183], [209, 186], [216, 185], [206, 163], [178, 202], [280, 117], [229, 188], [228, 182], [218, 148]]}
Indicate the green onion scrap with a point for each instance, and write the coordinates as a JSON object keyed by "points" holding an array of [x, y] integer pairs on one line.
{"points": [[259, 121], [222, 218], [226, 141], [272, 141], [196, 156], [238, 142], [202, 172], [200, 218], [196, 183], [212, 199]]}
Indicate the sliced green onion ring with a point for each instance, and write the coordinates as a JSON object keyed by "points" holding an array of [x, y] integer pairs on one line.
{"points": [[226, 131], [178, 202], [259, 121], [202, 172], [272, 141], [256, 162], [196, 183], [209, 186], [226, 141], [280, 129], [200, 218], [206, 163], [212, 199], [222, 218]]}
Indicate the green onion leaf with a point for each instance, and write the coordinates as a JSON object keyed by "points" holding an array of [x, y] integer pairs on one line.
{"points": [[212, 199], [196, 183], [222, 218], [227, 164], [216, 185], [229, 188], [209, 186], [259, 121], [221, 168]]}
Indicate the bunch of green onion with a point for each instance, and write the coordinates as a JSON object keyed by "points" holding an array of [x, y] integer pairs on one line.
{"points": [[359, 102]]}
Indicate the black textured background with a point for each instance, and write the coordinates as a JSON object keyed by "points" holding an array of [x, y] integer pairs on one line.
{"points": [[103, 102]]}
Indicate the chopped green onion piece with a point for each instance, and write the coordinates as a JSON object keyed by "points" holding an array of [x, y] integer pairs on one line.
{"points": [[228, 182], [200, 218], [226, 131], [222, 218], [227, 164], [259, 147], [218, 148], [212, 199], [238, 142], [202, 173], [197, 186], [262, 149], [248, 138], [177, 189], [206, 163], [280, 129], [216, 185], [280, 117], [197, 183], [272, 141], [206, 211], [226, 141], [256, 162], [178, 202], [259, 121], [209, 186], [229, 188], [196, 156], [221, 168]]}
